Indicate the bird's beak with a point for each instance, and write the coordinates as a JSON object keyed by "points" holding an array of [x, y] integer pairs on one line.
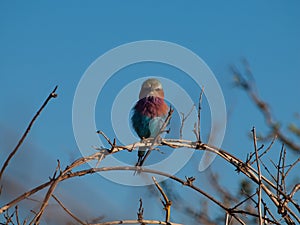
{"points": [[151, 93]]}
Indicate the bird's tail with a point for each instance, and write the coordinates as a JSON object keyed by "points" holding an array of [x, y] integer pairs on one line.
{"points": [[141, 153]]}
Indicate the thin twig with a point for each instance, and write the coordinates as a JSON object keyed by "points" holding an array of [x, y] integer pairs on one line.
{"points": [[278, 172], [268, 171], [291, 195], [106, 138], [183, 119], [253, 154], [162, 129], [8, 217], [68, 211], [145, 170], [247, 170], [112, 144], [140, 212], [166, 203], [242, 202], [295, 189], [197, 128], [282, 182], [53, 185], [266, 219], [291, 166], [250, 89], [239, 164], [17, 215], [259, 176], [24, 196], [51, 95], [269, 147]]}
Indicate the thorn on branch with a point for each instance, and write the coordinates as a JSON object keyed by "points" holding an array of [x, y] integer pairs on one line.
{"points": [[189, 181]]}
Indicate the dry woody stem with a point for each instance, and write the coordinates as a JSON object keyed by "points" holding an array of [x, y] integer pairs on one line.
{"points": [[271, 189], [51, 95]]}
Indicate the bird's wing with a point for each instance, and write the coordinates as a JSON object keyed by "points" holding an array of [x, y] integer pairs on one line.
{"points": [[155, 125]]}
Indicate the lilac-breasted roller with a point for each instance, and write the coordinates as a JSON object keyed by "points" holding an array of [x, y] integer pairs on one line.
{"points": [[149, 113]]}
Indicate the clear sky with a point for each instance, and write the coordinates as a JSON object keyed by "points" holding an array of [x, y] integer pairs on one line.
{"points": [[48, 43]]}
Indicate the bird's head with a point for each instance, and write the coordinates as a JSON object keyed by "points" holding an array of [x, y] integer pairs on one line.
{"points": [[151, 87]]}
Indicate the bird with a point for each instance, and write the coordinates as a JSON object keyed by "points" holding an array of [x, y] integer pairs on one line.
{"points": [[149, 113]]}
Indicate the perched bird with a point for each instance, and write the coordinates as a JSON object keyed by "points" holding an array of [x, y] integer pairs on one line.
{"points": [[149, 113]]}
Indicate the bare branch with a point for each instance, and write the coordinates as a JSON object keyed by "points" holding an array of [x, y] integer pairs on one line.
{"points": [[24, 196], [259, 176], [140, 213], [295, 189], [183, 119], [246, 169], [199, 114], [291, 166], [269, 147], [166, 203], [68, 211], [145, 170], [51, 95]]}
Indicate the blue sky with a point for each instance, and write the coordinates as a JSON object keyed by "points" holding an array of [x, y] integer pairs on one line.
{"points": [[43, 44]]}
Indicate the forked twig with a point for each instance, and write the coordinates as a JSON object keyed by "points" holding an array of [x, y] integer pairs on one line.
{"points": [[166, 203], [249, 171], [183, 119]]}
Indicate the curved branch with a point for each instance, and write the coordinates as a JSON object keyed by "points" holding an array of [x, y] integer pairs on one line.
{"points": [[174, 143]]}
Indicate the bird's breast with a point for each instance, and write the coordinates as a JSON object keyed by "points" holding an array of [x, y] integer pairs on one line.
{"points": [[152, 107]]}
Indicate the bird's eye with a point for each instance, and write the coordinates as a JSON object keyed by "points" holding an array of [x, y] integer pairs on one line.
{"points": [[157, 89]]}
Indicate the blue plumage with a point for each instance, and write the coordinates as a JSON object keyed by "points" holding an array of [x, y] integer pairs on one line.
{"points": [[149, 113], [140, 124]]}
